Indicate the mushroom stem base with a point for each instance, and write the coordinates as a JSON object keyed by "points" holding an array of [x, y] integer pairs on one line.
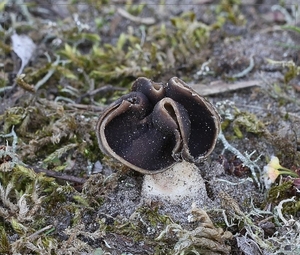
{"points": [[181, 183]]}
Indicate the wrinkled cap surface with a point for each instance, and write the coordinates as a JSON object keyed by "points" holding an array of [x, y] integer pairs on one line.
{"points": [[157, 125]]}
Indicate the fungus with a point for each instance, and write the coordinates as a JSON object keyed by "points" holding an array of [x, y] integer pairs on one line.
{"points": [[161, 130]]}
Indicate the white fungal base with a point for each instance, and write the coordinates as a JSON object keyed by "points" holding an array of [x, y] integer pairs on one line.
{"points": [[181, 183]]}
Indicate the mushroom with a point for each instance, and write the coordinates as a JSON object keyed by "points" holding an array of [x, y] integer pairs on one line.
{"points": [[161, 130]]}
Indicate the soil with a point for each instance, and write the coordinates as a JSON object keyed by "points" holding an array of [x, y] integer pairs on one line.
{"points": [[255, 34]]}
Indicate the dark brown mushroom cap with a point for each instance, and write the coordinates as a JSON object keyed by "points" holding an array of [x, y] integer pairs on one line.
{"points": [[156, 125]]}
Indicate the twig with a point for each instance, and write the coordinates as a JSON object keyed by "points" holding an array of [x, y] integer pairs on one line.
{"points": [[105, 89], [146, 21], [58, 175], [37, 233], [221, 87], [92, 108], [100, 92]]}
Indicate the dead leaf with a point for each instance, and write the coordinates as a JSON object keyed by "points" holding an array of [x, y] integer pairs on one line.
{"points": [[24, 47]]}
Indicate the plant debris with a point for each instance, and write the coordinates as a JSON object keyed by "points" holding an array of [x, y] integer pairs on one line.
{"points": [[62, 64]]}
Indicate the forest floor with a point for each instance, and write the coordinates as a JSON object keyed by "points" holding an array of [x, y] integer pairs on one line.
{"points": [[63, 63]]}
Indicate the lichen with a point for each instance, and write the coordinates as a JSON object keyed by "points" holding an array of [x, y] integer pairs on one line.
{"points": [[88, 53]]}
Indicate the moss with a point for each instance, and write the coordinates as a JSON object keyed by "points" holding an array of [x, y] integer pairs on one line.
{"points": [[83, 63], [279, 192], [291, 208], [4, 242], [249, 122], [229, 10]]}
